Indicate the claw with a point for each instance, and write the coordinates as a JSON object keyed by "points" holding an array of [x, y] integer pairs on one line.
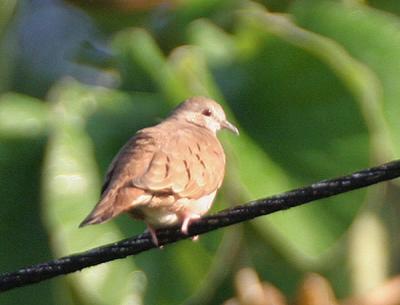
{"points": [[153, 234], [187, 221]]}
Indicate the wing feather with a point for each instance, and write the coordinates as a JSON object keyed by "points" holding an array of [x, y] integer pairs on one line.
{"points": [[190, 164]]}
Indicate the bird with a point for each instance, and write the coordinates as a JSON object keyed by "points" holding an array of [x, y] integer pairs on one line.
{"points": [[167, 174]]}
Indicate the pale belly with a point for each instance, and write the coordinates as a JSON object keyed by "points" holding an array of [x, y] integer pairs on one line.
{"points": [[162, 216]]}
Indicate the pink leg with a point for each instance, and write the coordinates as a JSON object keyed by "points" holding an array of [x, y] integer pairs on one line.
{"points": [[187, 220], [153, 234]]}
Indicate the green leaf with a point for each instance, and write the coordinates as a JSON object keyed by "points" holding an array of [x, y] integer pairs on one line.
{"points": [[7, 8], [217, 46], [70, 190], [373, 38], [140, 50], [23, 239], [306, 122], [22, 116]]}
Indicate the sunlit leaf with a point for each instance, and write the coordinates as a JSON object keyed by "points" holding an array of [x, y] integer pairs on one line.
{"points": [[373, 38], [22, 116], [292, 120], [71, 188]]}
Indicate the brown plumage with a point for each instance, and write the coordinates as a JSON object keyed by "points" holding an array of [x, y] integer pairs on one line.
{"points": [[168, 173]]}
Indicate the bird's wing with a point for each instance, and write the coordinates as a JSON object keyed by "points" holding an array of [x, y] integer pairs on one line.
{"points": [[190, 163], [132, 161]]}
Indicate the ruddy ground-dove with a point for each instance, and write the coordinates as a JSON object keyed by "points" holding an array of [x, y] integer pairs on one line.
{"points": [[169, 173]]}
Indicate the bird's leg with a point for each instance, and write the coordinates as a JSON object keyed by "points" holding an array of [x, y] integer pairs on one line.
{"points": [[153, 234], [187, 220]]}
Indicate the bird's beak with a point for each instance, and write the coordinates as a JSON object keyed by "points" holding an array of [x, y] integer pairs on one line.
{"points": [[227, 125]]}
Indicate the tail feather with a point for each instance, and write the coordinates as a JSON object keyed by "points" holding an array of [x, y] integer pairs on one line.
{"points": [[102, 212], [114, 203], [98, 215]]}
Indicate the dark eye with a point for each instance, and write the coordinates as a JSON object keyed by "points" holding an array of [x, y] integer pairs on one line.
{"points": [[206, 112]]}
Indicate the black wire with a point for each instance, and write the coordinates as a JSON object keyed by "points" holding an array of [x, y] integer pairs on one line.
{"points": [[140, 243]]}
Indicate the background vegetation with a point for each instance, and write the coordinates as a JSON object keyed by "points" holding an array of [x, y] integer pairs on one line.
{"points": [[314, 86]]}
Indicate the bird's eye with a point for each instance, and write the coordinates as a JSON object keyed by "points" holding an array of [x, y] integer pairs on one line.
{"points": [[206, 112]]}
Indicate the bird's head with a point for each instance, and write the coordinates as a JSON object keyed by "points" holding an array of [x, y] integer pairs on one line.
{"points": [[204, 112]]}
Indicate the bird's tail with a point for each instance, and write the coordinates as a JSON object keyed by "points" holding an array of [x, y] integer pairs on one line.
{"points": [[114, 203], [103, 211]]}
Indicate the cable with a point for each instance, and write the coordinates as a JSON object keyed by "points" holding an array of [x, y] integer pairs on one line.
{"points": [[256, 208]]}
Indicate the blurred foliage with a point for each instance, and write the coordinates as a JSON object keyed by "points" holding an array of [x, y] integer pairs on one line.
{"points": [[313, 289], [312, 84]]}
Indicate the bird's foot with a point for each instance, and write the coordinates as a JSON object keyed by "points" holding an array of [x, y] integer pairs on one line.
{"points": [[187, 220], [153, 234]]}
